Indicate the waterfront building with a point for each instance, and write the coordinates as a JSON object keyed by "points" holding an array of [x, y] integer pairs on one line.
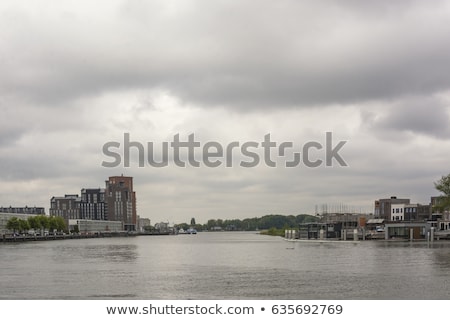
{"points": [[162, 227], [120, 200], [86, 226], [402, 219], [335, 225], [436, 211], [410, 212], [417, 212], [5, 216], [375, 225], [67, 207], [443, 225], [143, 223], [383, 207], [23, 210], [406, 230], [116, 202], [92, 204], [440, 218], [397, 213]]}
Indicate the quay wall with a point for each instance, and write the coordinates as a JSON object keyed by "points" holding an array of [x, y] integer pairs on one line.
{"points": [[22, 238]]}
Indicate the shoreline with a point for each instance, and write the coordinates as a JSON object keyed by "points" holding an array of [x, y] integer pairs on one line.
{"points": [[27, 238]]}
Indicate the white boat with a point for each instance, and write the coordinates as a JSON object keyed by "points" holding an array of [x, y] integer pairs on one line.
{"points": [[191, 231]]}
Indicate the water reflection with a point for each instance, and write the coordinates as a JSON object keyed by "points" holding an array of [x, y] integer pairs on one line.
{"points": [[223, 266], [126, 253], [441, 259]]}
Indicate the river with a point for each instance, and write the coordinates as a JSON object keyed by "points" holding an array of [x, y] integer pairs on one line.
{"points": [[223, 265]]}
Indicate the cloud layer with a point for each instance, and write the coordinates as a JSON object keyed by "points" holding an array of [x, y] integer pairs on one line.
{"points": [[77, 75]]}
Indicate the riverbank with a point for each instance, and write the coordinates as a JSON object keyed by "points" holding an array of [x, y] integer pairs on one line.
{"points": [[23, 238]]}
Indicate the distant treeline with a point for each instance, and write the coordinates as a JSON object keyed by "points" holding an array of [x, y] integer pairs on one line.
{"points": [[252, 224]]}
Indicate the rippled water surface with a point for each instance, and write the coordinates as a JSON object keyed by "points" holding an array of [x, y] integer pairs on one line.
{"points": [[223, 265]]}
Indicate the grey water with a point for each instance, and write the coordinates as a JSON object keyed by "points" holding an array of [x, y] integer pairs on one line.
{"points": [[222, 266]]}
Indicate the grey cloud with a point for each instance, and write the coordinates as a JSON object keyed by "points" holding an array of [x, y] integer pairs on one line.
{"points": [[14, 122], [285, 54], [75, 77], [418, 115], [9, 135]]}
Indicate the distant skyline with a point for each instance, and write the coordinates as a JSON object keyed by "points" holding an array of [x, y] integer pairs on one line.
{"points": [[76, 75]]}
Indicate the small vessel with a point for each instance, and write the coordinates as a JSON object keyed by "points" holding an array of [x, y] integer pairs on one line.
{"points": [[191, 231]]}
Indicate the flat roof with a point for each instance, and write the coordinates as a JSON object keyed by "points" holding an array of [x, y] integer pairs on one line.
{"points": [[375, 221]]}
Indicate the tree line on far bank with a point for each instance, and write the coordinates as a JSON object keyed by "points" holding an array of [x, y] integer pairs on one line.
{"points": [[267, 222], [36, 223]]}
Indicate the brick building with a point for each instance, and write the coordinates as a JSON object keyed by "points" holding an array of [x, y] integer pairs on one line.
{"points": [[120, 200]]}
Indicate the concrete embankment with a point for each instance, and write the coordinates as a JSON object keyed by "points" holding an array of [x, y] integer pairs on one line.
{"points": [[22, 238]]}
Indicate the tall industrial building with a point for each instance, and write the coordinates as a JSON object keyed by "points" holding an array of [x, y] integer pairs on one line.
{"points": [[120, 200], [115, 202], [92, 205], [67, 207]]}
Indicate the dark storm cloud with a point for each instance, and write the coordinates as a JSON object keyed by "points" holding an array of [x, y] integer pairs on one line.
{"points": [[286, 53]]}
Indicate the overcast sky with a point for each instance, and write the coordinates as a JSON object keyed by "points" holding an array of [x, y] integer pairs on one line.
{"points": [[78, 74]]}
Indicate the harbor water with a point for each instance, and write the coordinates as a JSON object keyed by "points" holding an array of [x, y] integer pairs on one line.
{"points": [[223, 265]]}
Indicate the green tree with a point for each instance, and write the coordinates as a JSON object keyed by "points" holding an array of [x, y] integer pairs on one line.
{"points": [[146, 228], [211, 224], [443, 185], [304, 218], [60, 224], [52, 224], [34, 223], [233, 224], [13, 224], [250, 224], [183, 226], [43, 221], [24, 225], [193, 222]]}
